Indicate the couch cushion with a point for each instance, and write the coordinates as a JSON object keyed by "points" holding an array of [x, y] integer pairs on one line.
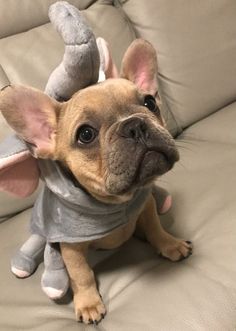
{"points": [[197, 49], [29, 57], [141, 290], [218, 127]]}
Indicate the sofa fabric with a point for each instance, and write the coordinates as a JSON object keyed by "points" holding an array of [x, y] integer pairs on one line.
{"points": [[196, 44]]}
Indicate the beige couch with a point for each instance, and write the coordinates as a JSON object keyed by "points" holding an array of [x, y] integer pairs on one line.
{"points": [[196, 44]]}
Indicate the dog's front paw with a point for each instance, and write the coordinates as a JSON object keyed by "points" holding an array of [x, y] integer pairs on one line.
{"points": [[89, 307], [175, 249]]}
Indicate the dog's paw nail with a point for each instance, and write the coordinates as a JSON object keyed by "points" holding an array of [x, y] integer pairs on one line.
{"points": [[181, 258], [102, 316], [188, 242], [95, 322], [80, 319]]}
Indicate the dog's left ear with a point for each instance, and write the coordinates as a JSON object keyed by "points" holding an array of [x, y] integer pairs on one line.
{"points": [[33, 116], [139, 65]]}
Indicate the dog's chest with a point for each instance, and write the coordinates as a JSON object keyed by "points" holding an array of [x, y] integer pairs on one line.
{"points": [[117, 237]]}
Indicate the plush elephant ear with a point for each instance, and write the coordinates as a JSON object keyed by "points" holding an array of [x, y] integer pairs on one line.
{"points": [[80, 64], [107, 66], [19, 174]]}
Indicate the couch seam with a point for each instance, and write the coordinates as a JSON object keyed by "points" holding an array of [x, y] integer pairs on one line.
{"points": [[8, 77], [25, 30], [4, 73], [191, 138], [117, 4], [229, 103]]}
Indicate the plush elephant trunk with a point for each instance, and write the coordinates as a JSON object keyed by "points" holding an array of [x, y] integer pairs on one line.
{"points": [[80, 65]]}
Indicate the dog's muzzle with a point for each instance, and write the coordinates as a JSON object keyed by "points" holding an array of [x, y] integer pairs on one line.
{"points": [[138, 130], [139, 151]]}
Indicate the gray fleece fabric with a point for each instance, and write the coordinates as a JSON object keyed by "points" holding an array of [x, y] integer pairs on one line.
{"points": [[80, 65], [64, 212]]}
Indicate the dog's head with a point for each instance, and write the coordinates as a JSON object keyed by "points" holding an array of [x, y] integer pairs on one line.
{"points": [[110, 136]]}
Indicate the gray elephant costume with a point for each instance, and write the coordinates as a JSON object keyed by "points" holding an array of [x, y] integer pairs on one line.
{"points": [[64, 211]]}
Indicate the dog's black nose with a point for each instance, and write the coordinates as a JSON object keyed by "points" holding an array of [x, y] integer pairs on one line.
{"points": [[134, 128]]}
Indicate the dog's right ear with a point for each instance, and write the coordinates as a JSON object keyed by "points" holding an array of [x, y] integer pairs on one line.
{"points": [[139, 65], [33, 116]]}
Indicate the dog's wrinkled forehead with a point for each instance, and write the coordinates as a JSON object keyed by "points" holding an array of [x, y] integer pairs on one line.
{"points": [[103, 103]]}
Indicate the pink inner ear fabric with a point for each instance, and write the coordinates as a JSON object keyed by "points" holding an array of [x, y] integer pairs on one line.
{"points": [[19, 174], [12, 160], [109, 66], [111, 71]]}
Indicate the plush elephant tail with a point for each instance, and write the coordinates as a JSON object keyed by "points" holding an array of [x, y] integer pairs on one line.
{"points": [[80, 65]]}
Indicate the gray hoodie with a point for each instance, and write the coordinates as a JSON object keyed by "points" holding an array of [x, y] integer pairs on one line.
{"points": [[64, 212]]}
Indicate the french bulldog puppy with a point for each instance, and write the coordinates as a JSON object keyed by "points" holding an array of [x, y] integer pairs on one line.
{"points": [[111, 139]]}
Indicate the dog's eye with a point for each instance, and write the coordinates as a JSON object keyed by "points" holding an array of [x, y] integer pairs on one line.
{"points": [[86, 134], [150, 103]]}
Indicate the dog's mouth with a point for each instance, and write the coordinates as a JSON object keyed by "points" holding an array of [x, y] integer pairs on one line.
{"points": [[151, 164]]}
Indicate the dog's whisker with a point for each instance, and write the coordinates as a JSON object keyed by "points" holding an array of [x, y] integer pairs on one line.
{"points": [[184, 148], [182, 165], [159, 180], [186, 142]]}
